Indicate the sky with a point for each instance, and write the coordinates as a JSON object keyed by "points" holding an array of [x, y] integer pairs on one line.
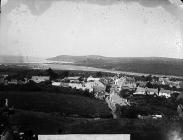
{"points": [[117, 28]]}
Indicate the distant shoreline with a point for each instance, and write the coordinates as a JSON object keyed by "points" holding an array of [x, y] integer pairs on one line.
{"points": [[69, 66]]}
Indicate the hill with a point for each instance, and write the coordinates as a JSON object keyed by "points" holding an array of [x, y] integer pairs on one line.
{"points": [[149, 65]]}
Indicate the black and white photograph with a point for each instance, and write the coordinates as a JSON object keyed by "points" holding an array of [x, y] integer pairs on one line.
{"points": [[91, 69]]}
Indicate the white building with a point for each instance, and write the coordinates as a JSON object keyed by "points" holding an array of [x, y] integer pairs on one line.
{"points": [[73, 79], [13, 82], [166, 93], [92, 79], [39, 79], [56, 83], [152, 91], [140, 91], [76, 85], [89, 86]]}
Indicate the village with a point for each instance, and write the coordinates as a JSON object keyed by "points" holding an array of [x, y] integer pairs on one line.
{"points": [[113, 89], [120, 92]]}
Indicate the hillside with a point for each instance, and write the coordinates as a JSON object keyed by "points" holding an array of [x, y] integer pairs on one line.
{"points": [[150, 65]]}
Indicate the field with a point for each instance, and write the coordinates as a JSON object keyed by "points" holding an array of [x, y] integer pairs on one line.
{"points": [[63, 104], [53, 113]]}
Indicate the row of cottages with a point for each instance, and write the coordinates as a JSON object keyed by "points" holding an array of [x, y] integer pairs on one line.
{"points": [[4, 81], [13, 81], [39, 79], [73, 79], [166, 93], [164, 80], [142, 83], [65, 82], [151, 91], [92, 84], [92, 79], [177, 84], [143, 91], [96, 86]]}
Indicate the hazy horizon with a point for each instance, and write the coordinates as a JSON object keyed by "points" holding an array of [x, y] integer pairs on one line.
{"points": [[112, 28], [48, 57]]}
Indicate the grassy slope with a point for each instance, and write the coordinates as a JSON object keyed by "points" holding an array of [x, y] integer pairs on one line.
{"points": [[48, 123], [61, 103], [36, 111]]}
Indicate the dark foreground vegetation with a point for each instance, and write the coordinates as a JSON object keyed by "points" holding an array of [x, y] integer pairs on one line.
{"points": [[60, 113], [50, 123], [63, 104]]}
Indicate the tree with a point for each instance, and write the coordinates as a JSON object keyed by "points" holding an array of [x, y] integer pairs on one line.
{"points": [[99, 74], [65, 74], [108, 87], [51, 73], [149, 85], [149, 78], [125, 93], [81, 79]]}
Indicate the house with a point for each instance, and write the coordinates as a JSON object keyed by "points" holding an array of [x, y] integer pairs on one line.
{"points": [[100, 95], [73, 79], [152, 91], [129, 86], [23, 81], [39, 79], [143, 91], [89, 86], [98, 87], [63, 84], [181, 84], [164, 80], [175, 84], [115, 89], [129, 83], [92, 79], [149, 117], [141, 83], [119, 82], [6, 82], [130, 79], [166, 93], [4, 76], [76, 85], [180, 110], [140, 91], [13, 82], [54, 83], [104, 81], [1, 80]]}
